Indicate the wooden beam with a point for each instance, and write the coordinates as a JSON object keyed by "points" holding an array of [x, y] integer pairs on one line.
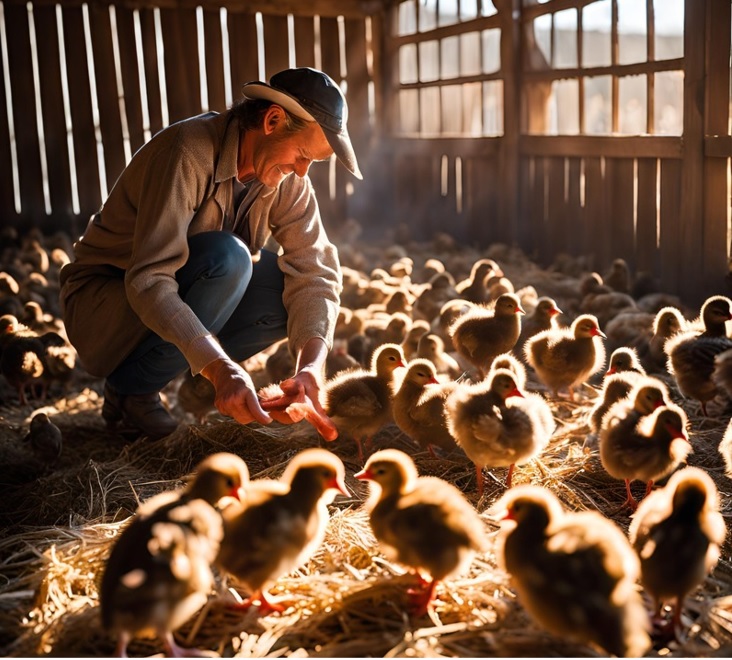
{"points": [[691, 217], [455, 29], [595, 146], [718, 146], [346, 8], [619, 70]]}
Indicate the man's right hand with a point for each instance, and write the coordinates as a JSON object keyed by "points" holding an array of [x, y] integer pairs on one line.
{"points": [[235, 393]]}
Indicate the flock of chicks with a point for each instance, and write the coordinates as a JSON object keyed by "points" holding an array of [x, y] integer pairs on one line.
{"points": [[449, 363]]}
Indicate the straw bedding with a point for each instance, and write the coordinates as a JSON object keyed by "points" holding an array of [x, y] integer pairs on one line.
{"points": [[59, 521]]}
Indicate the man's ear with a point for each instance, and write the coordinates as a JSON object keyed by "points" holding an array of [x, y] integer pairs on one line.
{"points": [[274, 115]]}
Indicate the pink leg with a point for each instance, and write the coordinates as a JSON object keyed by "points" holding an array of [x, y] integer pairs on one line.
{"points": [[421, 600], [649, 488], [174, 651], [479, 479], [120, 650], [509, 476], [630, 501]]}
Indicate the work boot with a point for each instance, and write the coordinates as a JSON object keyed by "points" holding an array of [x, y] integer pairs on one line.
{"points": [[144, 412]]}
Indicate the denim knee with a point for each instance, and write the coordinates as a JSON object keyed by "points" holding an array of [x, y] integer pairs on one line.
{"points": [[216, 255]]}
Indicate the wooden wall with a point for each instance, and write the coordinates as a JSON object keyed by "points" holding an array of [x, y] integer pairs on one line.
{"points": [[132, 68], [662, 202]]}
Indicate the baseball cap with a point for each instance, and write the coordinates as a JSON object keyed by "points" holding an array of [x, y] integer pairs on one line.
{"points": [[314, 96]]}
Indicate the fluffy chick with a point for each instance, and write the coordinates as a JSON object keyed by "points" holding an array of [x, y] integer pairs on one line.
{"points": [[424, 523]]}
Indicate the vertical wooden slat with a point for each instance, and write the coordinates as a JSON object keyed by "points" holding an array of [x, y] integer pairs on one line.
{"points": [[715, 240], [333, 210], [183, 81], [619, 179], [694, 224], [480, 203], [243, 50], [7, 193], [645, 233], [276, 57], [214, 60], [575, 229], [672, 248], [130, 76], [152, 73], [523, 232], [511, 69], [54, 124], [537, 210], [556, 230], [304, 41], [85, 148], [24, 112], [596, 226], [109, 111]]}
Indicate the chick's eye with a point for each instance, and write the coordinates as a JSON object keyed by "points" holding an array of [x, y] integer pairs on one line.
{"points": [[229, 482]]}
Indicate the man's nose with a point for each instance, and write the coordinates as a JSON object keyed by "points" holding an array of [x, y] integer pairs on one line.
{"points": [[302, 165]]}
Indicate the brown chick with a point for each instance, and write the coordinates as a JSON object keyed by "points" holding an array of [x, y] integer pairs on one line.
{"points": [[691, 354], [624, 359], [677, 532], [281, 524], [513, 364], [419, 407], [482, 334], [615, 387], [359, 401], [21, 356], [440, 289], [196, 395], [567, 357], [618, 277], [431, 347], [424, 523], [474, 288], [280, 364], [544, 317], [667, 322], [159, 571], [449, 313], [494, 432], [647, 449], [411, 341], [45, 437], [339, 359], [574, 573]]}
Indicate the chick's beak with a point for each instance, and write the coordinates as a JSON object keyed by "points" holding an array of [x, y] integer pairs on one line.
{"points": [[363, 475]]}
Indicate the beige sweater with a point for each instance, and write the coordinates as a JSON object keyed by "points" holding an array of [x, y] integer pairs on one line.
{"points": [[122, 281]]}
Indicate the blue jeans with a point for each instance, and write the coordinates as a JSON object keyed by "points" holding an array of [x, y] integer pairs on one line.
{"points": [[238, 301]]}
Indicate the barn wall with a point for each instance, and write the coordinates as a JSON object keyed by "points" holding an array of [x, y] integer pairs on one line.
{"points": [[87, 84]]}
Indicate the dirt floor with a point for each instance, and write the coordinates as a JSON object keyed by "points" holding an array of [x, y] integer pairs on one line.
{"points": [[60, 517]]}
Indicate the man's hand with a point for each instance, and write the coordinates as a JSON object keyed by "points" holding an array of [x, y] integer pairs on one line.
{"points": [[235, 393]]}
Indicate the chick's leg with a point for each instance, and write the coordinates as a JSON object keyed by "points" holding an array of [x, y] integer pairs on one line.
{"points": [[172, 650]]}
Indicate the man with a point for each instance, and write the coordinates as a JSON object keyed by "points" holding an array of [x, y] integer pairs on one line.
{"points": [[170, 273]]}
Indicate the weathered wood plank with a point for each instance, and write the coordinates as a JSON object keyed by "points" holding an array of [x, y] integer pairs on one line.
{"points": [[647, 217], [24, 113], [595, 219], [276, 49], [592, 146], [670, 240], [110, 123], [620, 180], [7, 187], [214, 60], [52, 103], [130, 76], [575, 239], [85, 146], [556, 229], [243, 51], [304, 41], [151, 71], [183, 81], [537, 209]]}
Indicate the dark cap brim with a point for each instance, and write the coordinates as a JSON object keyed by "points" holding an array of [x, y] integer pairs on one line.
{"points": [[340, 142]]}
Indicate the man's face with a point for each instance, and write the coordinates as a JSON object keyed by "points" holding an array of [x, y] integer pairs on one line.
{"points": [[280, 153]]}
